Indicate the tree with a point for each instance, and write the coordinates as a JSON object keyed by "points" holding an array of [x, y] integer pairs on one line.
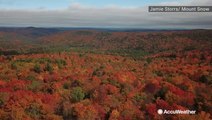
{"points": [[37, 68], [14, 66], [49, 68], [77, 94]]}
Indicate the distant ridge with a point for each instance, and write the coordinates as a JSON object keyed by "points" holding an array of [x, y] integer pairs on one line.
{"points": [[58, 29]]}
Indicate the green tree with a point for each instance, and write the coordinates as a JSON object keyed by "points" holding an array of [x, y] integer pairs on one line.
{"points": [[49, 67], [77, 94], [37, 68], [14, 66], [61, 63]]}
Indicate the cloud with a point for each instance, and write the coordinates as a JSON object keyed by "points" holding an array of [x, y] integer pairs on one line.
{"points": [[188, 3], [78, 15], [200, 2]]}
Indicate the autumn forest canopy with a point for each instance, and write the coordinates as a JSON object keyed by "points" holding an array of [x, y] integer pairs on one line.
{"points": [[104, 74]]}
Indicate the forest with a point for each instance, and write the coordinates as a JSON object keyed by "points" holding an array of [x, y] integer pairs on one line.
{"points": [[62, 74]]}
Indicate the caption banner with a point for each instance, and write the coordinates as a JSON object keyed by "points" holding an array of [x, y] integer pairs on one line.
{"points": [[180, 8]]}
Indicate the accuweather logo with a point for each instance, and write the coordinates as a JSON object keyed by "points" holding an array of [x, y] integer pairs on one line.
{"points": [[160, 112]]}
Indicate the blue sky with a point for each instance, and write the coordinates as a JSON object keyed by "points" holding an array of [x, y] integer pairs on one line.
{"points": [[60, 4]]}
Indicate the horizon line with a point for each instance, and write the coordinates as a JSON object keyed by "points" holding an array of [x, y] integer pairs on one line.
{"points": [[107, 28]]}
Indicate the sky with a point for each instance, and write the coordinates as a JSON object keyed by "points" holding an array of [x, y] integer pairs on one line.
{"points": [[100, 13], [61, 4]]}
